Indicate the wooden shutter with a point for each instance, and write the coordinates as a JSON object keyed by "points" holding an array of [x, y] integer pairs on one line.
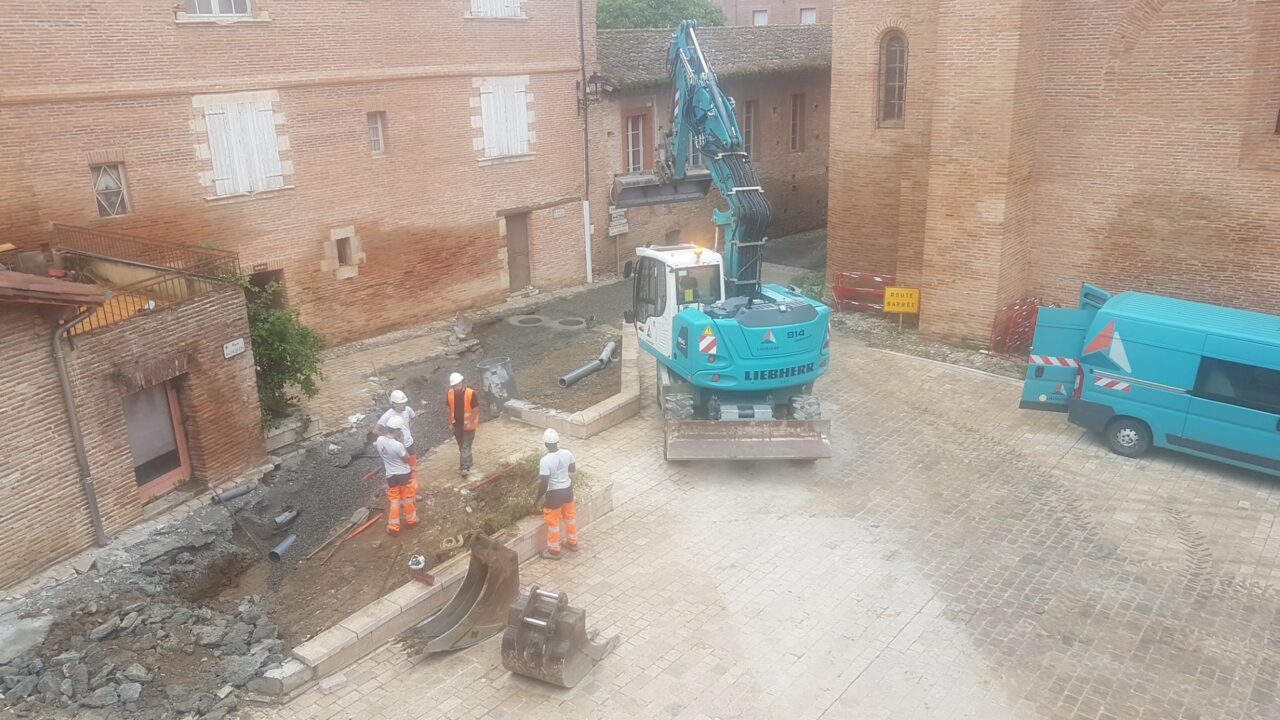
{"points": [[489, 121], [227, 176], [267, 172], [519, 121]]}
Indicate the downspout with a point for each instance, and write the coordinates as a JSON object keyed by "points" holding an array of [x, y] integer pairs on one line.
{"points": [[73, 420], [586, 141]]}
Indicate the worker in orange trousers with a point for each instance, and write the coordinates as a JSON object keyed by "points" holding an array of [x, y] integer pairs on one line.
{"points": [[399, 466], [553, 481]]}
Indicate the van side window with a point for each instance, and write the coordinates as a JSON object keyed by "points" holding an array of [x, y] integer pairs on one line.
{"points": [[1247, 386]]}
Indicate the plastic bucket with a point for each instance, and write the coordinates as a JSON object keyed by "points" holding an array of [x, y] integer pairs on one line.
{"points": [[498, 385]]}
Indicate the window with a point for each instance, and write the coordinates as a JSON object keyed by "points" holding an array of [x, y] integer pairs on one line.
{"points": [[698, 285], [750, 110], [797, 123], [377, 132], [808, 16], [1246, 386], [635, 143], [344, 252], [760, 18], [651, 289], [244, 147], [271, 283], [496, 8], [504, 114], [108, 186], [893, 78], [218, 7]]}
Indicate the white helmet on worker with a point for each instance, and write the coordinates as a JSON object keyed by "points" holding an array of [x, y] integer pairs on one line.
{"points": [[398, 397], [551, 437], [395, 422], [454, 379]]}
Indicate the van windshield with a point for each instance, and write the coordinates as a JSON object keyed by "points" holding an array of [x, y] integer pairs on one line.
{"points": [[699, 285]]}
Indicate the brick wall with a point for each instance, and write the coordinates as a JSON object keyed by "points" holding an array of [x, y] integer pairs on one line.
{"points": [[781, 12], [91, 83], [794, 182], [1047, 145], [42, 506]]}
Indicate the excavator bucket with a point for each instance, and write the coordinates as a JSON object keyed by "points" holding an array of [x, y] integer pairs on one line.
{"points": [[546, 639], [479, 610], [748, 440], [641, 189]]}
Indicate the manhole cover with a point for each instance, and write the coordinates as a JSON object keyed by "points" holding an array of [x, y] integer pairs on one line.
{"points": [[570, 323], [526, 320]]}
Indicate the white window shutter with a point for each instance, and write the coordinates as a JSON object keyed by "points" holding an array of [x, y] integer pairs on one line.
{"points": [[489, 121], [222, 148], [268, 173], [520, 119]]}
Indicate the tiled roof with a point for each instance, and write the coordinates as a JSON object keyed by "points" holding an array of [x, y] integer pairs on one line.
{"points": [[23, 288], [632, 58]]}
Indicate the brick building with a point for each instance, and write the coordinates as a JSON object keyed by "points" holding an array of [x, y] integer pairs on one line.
{"points": [[779, 78], [388, 162], [162, 377], [990, 150], [775, 12]]}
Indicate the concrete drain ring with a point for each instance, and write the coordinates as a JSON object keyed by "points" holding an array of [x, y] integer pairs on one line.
{"points": [[569, 324], [527, 320]]}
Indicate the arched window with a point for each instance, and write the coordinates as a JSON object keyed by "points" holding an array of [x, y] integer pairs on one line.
{"points": [[893, 78]]}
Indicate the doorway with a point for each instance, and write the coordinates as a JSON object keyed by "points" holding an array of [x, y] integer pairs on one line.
{"points": [[518, 251], [157, 442]]}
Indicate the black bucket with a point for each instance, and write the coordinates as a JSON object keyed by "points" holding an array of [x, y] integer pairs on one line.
{"points": [[498, 385]]}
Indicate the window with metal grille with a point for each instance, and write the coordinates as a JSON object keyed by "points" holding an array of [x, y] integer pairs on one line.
{"points": [[893, 79], [495, 8], [797, 123], [808, 16], [504, 115], [108, 186], [750, 110], [760, 18], [218, 7], [377, 132], [244, 147], [635, 143]]}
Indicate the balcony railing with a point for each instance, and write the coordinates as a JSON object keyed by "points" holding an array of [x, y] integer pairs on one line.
{"points": [[147, 296], [189, 259]]}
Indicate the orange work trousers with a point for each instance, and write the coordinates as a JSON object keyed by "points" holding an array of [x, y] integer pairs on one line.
{"points": [[553, 516], [401, 501]]}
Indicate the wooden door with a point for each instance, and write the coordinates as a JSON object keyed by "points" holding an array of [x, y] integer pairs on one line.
{"points": [[518, 251]]}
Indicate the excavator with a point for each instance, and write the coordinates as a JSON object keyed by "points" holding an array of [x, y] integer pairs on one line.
{"points": [[737, 358]]}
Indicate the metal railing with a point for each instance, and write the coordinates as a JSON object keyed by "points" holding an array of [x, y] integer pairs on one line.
{"points": [[190, 259], [150, 295]]}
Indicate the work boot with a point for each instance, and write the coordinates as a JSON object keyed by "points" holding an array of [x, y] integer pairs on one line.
{"points": [[551, 554], [571, 547]]}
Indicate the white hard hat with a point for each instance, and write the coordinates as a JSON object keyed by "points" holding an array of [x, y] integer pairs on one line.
{"points": [[395, 422], [399, 397], [551, 437], [454, 379]]}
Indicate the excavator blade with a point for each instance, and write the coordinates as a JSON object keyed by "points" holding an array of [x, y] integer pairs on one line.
{"points": [[547, 639], [641, 189], [748, 440], [479, 610]]}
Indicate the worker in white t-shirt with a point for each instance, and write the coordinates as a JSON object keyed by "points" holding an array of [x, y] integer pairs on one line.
{"points": [[400, 409], [553, 481], [399, 465]]}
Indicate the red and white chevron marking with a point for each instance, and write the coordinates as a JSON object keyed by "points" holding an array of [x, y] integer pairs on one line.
{"points": [[1108, 383], [1056, 361]]}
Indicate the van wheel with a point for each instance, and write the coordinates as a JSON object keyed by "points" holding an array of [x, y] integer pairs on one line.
{"points": [[1129, 437]]}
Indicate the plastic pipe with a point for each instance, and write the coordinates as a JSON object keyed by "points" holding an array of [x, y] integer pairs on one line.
{"points": [[278, 551], [592, 367], [286, 517], [223, 498], [606, 355]]}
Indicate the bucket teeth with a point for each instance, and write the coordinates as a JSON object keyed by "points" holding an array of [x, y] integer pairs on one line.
{"points": [[546, 639], [748, 439], [479, 609]]}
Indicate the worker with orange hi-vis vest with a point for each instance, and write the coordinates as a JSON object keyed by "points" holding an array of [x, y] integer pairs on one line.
{"points": [[398, 465], [464, 418]]}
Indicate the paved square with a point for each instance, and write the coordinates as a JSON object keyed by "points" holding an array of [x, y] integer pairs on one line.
{"points": [[958, 558]]}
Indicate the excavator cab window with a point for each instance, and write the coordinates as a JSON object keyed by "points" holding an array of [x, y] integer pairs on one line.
{"points": [[650, 297], [700, 285]]}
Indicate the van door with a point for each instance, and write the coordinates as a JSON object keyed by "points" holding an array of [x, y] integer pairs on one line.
{"points": [[1234, 413], [1053, 370]]}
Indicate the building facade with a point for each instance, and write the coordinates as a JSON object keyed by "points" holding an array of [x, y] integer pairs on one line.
{"points": [[387, 162], [993, 150], [162, 377], [779, 78], [775, 12]]}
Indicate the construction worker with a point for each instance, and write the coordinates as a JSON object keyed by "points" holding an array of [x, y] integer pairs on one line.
{"points": [[553, 481], [400, 408], [464, 418], [398, 465]]}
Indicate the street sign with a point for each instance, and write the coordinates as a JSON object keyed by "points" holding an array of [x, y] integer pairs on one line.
{"points": [[902, 300], [617, 221], [233, 348]]}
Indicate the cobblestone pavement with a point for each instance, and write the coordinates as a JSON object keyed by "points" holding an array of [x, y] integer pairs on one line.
{"points": [[959, 558]]}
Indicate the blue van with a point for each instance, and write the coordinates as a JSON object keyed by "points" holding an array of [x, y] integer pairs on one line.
{"points": [[1148, 370]]}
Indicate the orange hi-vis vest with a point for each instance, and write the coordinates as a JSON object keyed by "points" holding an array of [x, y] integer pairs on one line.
{"points": [[471, 413]]}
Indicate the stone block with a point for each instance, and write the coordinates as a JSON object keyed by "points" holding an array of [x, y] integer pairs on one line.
{"points": [[323, 646]]}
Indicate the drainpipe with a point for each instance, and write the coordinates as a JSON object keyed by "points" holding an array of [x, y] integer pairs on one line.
{"points": [[586, 142], [73, 419]]}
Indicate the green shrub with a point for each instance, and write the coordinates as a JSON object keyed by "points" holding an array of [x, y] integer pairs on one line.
{"points": [[285, 351]]}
